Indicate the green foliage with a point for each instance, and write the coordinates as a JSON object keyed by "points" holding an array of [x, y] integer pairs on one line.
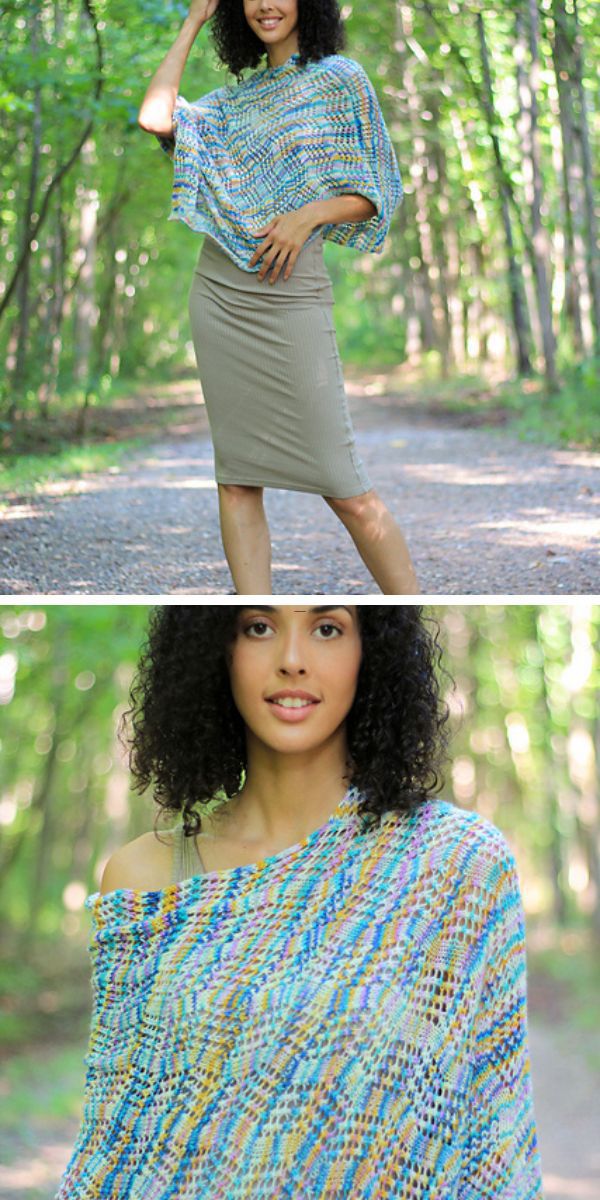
{"points": [[42, 1087], [576, 971], [70, 668], [26, 474], [572, 416], [368, 332], [523, 406]]}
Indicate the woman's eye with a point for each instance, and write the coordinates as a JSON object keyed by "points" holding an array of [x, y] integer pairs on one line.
{"points": [[260, 629], [260, 625]]}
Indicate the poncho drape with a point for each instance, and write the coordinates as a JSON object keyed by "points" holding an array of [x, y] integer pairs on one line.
{"points": [[347, 1018], [246, 153]]}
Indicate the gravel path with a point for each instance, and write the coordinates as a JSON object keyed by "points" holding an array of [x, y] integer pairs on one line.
{"points": [[483, 514], [566, 1097]]}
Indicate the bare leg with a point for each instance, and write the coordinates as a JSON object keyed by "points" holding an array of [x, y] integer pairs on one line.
{"points": [[246, 539], [379, 542]]}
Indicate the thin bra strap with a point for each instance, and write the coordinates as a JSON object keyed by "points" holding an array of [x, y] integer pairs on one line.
{"points": [[186, 859]]}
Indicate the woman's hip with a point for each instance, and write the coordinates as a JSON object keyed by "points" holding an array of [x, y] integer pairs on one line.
{"points": [[218, 278]]}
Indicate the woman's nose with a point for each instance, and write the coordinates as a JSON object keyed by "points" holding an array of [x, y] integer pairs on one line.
{"points": [[291, 660]]}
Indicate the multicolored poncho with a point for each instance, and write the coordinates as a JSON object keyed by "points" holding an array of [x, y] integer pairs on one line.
{"points": [[246, 153], [347, 1018]]}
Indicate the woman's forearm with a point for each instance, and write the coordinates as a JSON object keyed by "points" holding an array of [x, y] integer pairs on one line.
{"points": [[339, 209], [156, 109]]}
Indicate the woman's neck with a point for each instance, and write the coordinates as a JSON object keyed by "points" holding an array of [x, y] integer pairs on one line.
{"points": [[278, 54], [285, 797]]}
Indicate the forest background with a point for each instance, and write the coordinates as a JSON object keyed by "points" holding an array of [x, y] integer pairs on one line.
{"points": [[525, 753], [487, 296]]}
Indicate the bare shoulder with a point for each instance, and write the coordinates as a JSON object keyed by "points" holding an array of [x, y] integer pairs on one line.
{"points": [[144, 864]]}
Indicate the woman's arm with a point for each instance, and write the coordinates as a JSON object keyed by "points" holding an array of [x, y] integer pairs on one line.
{"points": [[347, 207], [156, 111]]}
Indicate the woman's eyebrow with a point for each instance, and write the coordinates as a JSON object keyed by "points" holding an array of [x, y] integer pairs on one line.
{"points": [[319, 608]]}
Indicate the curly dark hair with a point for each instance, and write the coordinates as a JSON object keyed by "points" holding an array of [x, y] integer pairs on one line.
{"points": [[187, 738], [320, 32]]}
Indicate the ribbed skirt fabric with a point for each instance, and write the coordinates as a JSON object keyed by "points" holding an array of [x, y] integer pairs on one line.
{"points": [[271, 375]]}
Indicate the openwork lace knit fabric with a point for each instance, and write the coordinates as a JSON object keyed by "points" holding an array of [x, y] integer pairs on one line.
{"points": [[246, 153], [347, 1018]]}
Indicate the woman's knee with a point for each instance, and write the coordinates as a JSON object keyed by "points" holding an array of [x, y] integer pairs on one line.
{"points": [[239, 493], [352, 506]]}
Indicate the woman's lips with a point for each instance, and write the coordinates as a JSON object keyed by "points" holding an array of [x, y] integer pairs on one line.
{"points": [[292, 714]]}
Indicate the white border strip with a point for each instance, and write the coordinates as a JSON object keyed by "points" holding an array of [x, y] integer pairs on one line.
{"points": [[314, 599]]}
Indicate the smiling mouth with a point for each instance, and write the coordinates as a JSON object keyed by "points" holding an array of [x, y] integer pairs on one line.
{"points": [[269, 22]]}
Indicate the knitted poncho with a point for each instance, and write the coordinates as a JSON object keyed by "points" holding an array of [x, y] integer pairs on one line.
{"points": [[246, 153], [346, 1018]]}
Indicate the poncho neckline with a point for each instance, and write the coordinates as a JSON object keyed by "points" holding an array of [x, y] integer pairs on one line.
{"points": [[291, 61], [248, 886]]}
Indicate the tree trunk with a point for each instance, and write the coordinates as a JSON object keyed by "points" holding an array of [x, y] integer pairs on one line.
{"points": [[592, 242], [576, 294], [527, 32], [520, 317], [85, 307], [18, 378]]}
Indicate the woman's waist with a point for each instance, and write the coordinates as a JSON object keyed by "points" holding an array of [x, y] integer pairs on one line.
{"points": [[308, 276], [212, 246]]}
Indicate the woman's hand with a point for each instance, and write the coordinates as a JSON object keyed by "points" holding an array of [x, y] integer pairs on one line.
{"points": [[203, 10], [284, 237]]}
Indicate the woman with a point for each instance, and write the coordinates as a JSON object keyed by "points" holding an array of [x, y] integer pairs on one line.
{"points": [[315, 985], [269, 168]]}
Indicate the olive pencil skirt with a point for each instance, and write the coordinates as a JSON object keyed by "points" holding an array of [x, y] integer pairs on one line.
{"points": [[271, 375]]}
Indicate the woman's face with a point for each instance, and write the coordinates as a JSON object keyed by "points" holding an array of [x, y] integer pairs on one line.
{"points": [[272, 20], [313, 654]]}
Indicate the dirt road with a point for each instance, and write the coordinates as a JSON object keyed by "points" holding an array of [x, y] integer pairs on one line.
{"points": [[484, 514]]}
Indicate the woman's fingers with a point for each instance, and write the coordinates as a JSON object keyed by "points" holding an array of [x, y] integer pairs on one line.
{"points": [[268, 263], [276, 264], [277, 261], [291, 264]]}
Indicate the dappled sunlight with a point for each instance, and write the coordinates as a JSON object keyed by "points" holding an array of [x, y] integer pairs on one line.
{"points": [[68, 487], [310, 538], [41, 1169], [189, 483], [100, 483], [16, 512], [451, 474], [576, 458], [570, 1189], [175, 464], [539, 527]]}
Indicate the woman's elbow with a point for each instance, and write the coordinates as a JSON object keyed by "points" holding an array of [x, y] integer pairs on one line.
{"points": [[154, 122]]}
